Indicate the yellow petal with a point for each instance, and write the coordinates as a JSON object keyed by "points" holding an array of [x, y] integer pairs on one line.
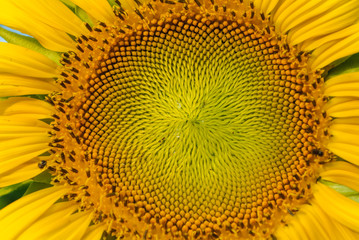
{"points": [[340, 126], [337, 206], [343, 173], [343, 107], [14, 17], [320, 42], [344, 232], [346, 151], [312, 222], [15, 85], [23, 172], [294, 230], [336, 18], [15, 59], [18, 151], [55, 219], [54, 14], [19, 215], [26, 108], [312, 225], [326, 223], [351, 77], [75, 229], [327, 54], [98, 9], [11, 90], [131, 5], [94, 232], [21, 141], [12, 127], [295, 14], [346, 121], [343, 85], [269, 5], [344, 132], [343, 136], [282, 12]]}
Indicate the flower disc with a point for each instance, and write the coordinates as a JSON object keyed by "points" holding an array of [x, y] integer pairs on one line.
{"points": [[199, 121]]}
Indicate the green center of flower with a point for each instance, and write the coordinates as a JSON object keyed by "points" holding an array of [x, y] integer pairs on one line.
{"points": [[192, 125]]}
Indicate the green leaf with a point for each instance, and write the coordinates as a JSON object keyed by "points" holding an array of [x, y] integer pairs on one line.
{"points": [[344, 190], [41, 181], [354, 198], [83, 16], [44, 177], [349, 65], [78, 11], [112, 2], [69, 4], [11, 193], [36, 186], [30, 43]]}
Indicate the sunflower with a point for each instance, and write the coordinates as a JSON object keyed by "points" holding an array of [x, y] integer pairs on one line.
{"points": [[180, 119]]}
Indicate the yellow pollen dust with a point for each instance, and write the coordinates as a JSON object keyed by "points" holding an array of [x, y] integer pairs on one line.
{"points": [[191, 121]]}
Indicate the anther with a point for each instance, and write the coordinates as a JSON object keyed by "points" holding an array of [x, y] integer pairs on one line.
{"points": [[150, 6], [88, 27], [60, 108], [252, 14], [262, 16], [84, 37], [89, 47], [103, 24], [93, 39], [65, 61], [72, 159], [51, 169], [139, 14], [118, 3], [80, 48], [77, 58], [57, 140], [138, 2], [64, 74], [69, 99]]}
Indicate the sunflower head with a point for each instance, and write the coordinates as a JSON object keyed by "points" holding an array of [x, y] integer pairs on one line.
{"points": [[194, 119]]}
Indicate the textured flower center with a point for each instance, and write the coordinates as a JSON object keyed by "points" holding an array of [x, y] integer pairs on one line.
{"points": [[195, 124]]}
